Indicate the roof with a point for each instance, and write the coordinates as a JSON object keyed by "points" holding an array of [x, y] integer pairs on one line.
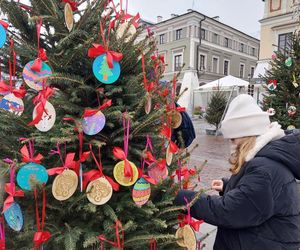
{"points": [[225, 82]]}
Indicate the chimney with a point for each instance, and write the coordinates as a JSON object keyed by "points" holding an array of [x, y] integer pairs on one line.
{"points": [[159, 19], [174, 15], [189, 10], [217, 18]]}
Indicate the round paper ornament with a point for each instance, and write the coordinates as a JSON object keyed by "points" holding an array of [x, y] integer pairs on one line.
{"points": [[292, 110], [176, 118], [121, 178], [103, 72], [69, 19], [92, 125], [35, 79], [271, 111], [169, 156], [65, 185], [291, 127], [99, 191], [179, 237], [12, 104], [48, 119], [148, 104], [14, 217], [141, 192], [189, 236], [288, 62], [274, 56], [272, 85], [124, 29], [31, 172], [2, 36], [157, 173]]}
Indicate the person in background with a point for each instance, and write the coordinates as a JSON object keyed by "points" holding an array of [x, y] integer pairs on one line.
{"points": [[259, 206]]}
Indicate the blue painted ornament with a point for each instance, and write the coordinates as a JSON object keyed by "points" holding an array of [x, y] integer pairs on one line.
{"points": [[103, 72], [141, 192], [14, 217], [29, 173], [2, 36]]}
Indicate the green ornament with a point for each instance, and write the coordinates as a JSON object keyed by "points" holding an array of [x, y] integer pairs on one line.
{"points": [[288, 62]]}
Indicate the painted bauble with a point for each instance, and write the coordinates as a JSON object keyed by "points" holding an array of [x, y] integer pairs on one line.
{"points": [[141, 192]]}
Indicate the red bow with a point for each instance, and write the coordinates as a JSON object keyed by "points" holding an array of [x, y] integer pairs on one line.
{"points": [[185, 172], [42, 56], [10, 189], [41, 237], [187, 220], [4, 24], [167, 132], [123, 18], [94, 175], [72, 3], [161, 164], [146, 177], [110, 55], [20, 93], [118, 243], [120, 154], [68, 164], [274, 82], [90, 112], [40, 101], [27, 158]]}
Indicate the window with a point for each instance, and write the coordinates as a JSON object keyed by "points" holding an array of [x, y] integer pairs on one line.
{"points": [[226, 67], [285, 42], [202, 33], [202, 62], [178, 34], [252, 72], [215, 38], [226, 42], [242, 70], [252, 52], [162, 39], [215, 65], [242, 46], [177, 62]]}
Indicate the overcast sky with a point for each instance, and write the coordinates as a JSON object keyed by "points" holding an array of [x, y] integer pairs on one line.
{"points": [[240, 14]]}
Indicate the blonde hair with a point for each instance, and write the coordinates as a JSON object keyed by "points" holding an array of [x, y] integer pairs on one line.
{"points": [[238, 157]]}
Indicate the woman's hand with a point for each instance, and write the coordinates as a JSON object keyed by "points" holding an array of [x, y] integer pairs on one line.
{"points": [[217, 185]]}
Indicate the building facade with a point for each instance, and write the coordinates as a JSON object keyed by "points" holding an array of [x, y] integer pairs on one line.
{"points": [[280, 20], [193, 41]]}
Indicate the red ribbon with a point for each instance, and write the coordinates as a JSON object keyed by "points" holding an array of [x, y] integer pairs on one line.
{"points": [[90, 112], [26, 157], [123, 17], [117, 243], [167, 132], [40, 101], [110, 55], [148, 86], [69, 163], [2, 234], [10, 189], [161, 164], [19, 93], [153, 244], [146, 177], [120, 154], [72, 3], [186, 220], [40, 236], [4, 24], [274, 82]]}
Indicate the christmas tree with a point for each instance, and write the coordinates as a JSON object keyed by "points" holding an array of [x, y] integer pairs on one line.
{"points": [[282, 97], [60, 73]]}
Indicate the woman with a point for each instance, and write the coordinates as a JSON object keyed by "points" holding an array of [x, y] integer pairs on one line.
{"points": [[259, 206]]}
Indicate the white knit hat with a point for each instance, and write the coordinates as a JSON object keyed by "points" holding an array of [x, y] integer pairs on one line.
{"points": [[244, 118]]}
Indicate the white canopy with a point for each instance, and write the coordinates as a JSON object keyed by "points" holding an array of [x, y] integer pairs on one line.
{"points": [[225, 82]]}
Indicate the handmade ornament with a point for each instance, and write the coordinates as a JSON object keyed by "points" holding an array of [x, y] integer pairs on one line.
{"points": [[288, 62], [294, 82], [3, 36], [69, 18], [272, 85], [158, 173], [179, 237], [148, 103], [274, 56], [175, 118], [169, 156], [271, 111], [141, 192], [121, 178], [127, 29], [99, 191], [189, 237], [12, 104], [35, 79], [14, 217], [92, 125], [48, 118], [65, 185], [291, 127], [292, 110]]}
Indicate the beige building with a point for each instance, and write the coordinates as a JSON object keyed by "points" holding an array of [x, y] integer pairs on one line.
{"points": [[280, 20]]}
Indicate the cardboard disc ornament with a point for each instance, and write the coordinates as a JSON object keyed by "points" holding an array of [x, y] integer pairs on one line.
{"points": [[65, 185], [179, 237], [92, 125], [271, 111], [148, 103], [121, 178], [288, 62], [31, 173], [14, 217], [141, 192], [35, 79], [3, 36], [169, 156], [126, 28], [103, 72], [69, 18], [99, 191], [12, 104], [292, 110], [48, 118], [189, 236], [176, 118]]}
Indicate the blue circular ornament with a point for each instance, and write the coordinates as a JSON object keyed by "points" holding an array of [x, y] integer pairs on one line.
{"points": [[14, 217], [102, 71], [2, 36], [31, 172]]}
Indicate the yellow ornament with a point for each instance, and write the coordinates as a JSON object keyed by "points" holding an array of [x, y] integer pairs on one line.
{"points": [[121, 178], [99, 191]]}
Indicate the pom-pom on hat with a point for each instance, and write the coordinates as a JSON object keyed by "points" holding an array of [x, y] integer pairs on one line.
{"points": [[244, 118]]}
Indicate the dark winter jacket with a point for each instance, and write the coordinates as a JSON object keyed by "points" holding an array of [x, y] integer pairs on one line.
{"points": [[260, 207]]}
